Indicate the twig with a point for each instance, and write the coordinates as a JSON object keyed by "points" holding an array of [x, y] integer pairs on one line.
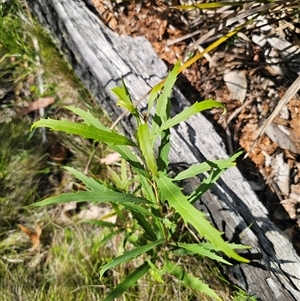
{"points": [[39, 79]]}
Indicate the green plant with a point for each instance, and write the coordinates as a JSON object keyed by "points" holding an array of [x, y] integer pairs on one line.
{"points": [[159, 206]]}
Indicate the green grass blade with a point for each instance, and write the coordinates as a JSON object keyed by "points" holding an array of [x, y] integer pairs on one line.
{"points": [[189, 280], [201, 250], [86, 131], [128, 282], [145, 144], [91, 196], [128, 255], [109, 237], [193, 216], [88, 181]]}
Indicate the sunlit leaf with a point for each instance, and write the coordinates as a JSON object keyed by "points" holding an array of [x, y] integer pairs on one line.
{"points": [[162, 111], [153, 95], [193, 216], [83, 130], [200, 168], [88, 118], [190, 111], [91, 196], [146, 147], [214, 45]]}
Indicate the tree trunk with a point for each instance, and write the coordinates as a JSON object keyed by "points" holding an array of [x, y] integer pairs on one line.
{"points": [[100, 57]]}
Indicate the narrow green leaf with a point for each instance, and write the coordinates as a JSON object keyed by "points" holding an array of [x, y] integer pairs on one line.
{"points": [[131, 158], [145, 144], [128, 282], [162, 113], [190, 280], [164, 150], [153, 95], [123, 150], [190, 111], [218, 168], [128, 255], [88, 118], [138, 209], [201, 250], [147, 188], [144, 223], [86, 131], [233, 246], [200, 168], [206, 184], [125, 99], [88, 181], [193, 216], [91, 196]]}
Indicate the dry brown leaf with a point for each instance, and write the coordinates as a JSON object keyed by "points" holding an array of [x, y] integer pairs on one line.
{"points": [[35, 105], [34, 235]]}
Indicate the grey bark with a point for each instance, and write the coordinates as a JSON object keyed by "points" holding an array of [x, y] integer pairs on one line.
{"points": [[100, 57]]}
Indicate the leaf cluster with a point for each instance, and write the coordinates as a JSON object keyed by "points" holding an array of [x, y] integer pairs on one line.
{"points": [[159, 206]]}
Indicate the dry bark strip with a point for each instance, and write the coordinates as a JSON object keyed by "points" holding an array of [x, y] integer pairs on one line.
{"points": [[100, 57]]}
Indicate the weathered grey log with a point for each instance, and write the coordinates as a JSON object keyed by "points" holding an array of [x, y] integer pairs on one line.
{"points": [[100, 57]]}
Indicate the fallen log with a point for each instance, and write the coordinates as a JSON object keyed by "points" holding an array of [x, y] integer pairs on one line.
{"points": [[100, 57]]}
